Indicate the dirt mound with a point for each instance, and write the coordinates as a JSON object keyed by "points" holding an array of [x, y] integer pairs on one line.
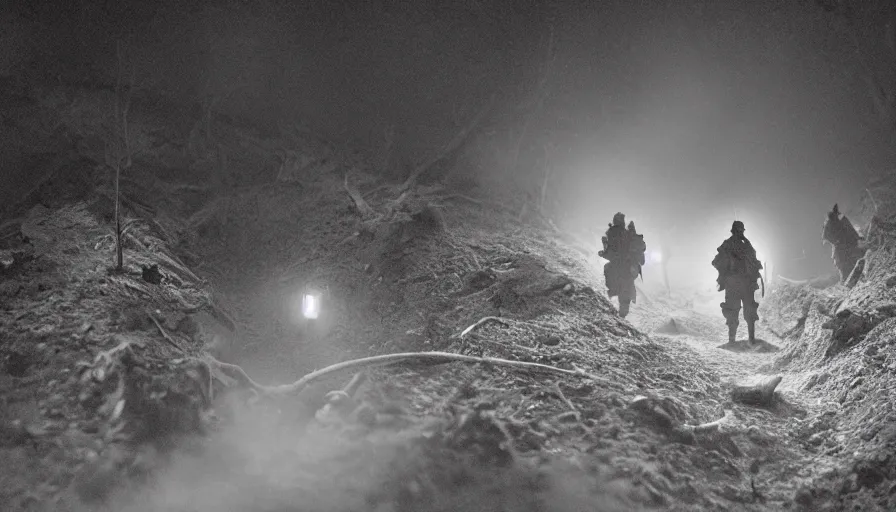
{"points": [[836, 353]]}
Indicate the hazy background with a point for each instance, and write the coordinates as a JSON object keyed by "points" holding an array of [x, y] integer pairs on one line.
{"points": [[680, 113]]}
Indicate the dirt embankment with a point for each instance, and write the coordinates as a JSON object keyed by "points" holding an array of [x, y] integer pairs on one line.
{"points": [[112, 403], [840, 353]]}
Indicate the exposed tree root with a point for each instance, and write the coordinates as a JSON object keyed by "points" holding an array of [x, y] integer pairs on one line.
{"points": [[362, 206], [342, 401], [165, 335], [425, 358], [555, 388], [106, 355]]}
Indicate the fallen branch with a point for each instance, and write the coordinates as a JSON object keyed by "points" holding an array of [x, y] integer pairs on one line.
{"points": [[360, 203], [712, 425], [426, 358], [503, 321], [341, 401], [236, 373], [555, 387], [165, 335], [106, 355], [177, 265]]}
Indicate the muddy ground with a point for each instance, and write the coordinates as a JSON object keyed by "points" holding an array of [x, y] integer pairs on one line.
{"points": [[113, 398]]}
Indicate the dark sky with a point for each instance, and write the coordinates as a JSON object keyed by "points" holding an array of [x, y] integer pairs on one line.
{"points": [[679, 112]]}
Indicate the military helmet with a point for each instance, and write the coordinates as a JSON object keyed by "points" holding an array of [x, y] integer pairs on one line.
{"points": [[619, 219], [737, 226]]}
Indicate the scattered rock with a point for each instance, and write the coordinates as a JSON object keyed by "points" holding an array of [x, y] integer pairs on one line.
{"points": [[663, 413], [868, 473], [17, 364], [887, 310], [848, 328], [568, 417], [760, 394], [478, 280], [551, 341], [152, 275]]}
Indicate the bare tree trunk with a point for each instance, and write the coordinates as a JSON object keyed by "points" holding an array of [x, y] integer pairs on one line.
{"points": [[121, 145], [538, 101], [388, 148], [549, 170], [119, 255]]}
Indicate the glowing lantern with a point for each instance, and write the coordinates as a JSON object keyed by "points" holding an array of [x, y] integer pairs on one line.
{"points": [[311, 301]]}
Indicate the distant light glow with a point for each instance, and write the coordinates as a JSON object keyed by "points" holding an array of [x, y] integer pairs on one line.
{"points": [[311, 305], [656, 257]]}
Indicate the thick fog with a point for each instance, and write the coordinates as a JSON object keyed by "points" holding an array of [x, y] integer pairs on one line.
{"points": [[684, 115]]}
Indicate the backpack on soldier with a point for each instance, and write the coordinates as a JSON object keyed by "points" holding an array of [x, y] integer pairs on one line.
{"points": [[638, 249]]}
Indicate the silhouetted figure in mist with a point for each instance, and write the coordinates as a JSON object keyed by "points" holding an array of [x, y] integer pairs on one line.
{"points": [[840, 233], [624, 248], [738, 272]]}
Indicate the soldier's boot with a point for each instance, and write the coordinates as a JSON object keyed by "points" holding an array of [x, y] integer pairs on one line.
{"points": [[623, 307], [732, 333], [751, 330]]}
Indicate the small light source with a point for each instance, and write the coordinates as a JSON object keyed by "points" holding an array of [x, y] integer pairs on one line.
{"points": [[311, 305], [656, 257]]}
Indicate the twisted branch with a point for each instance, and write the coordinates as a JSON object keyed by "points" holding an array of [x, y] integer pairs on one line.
{"points": [[354, 365]]}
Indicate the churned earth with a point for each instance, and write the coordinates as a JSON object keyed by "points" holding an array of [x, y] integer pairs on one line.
{"points": [[522, 388]]}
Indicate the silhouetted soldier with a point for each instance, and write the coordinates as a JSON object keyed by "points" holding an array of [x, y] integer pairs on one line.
{"points": [[738, 271], [840, 233], [624, 248]]}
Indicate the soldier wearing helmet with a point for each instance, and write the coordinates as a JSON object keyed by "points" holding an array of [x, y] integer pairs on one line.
{"points": [[847, 250], [738, 274], [624, 248]]}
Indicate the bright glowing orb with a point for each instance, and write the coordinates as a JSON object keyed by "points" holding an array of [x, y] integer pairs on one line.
{"points": [[656, 257]]}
